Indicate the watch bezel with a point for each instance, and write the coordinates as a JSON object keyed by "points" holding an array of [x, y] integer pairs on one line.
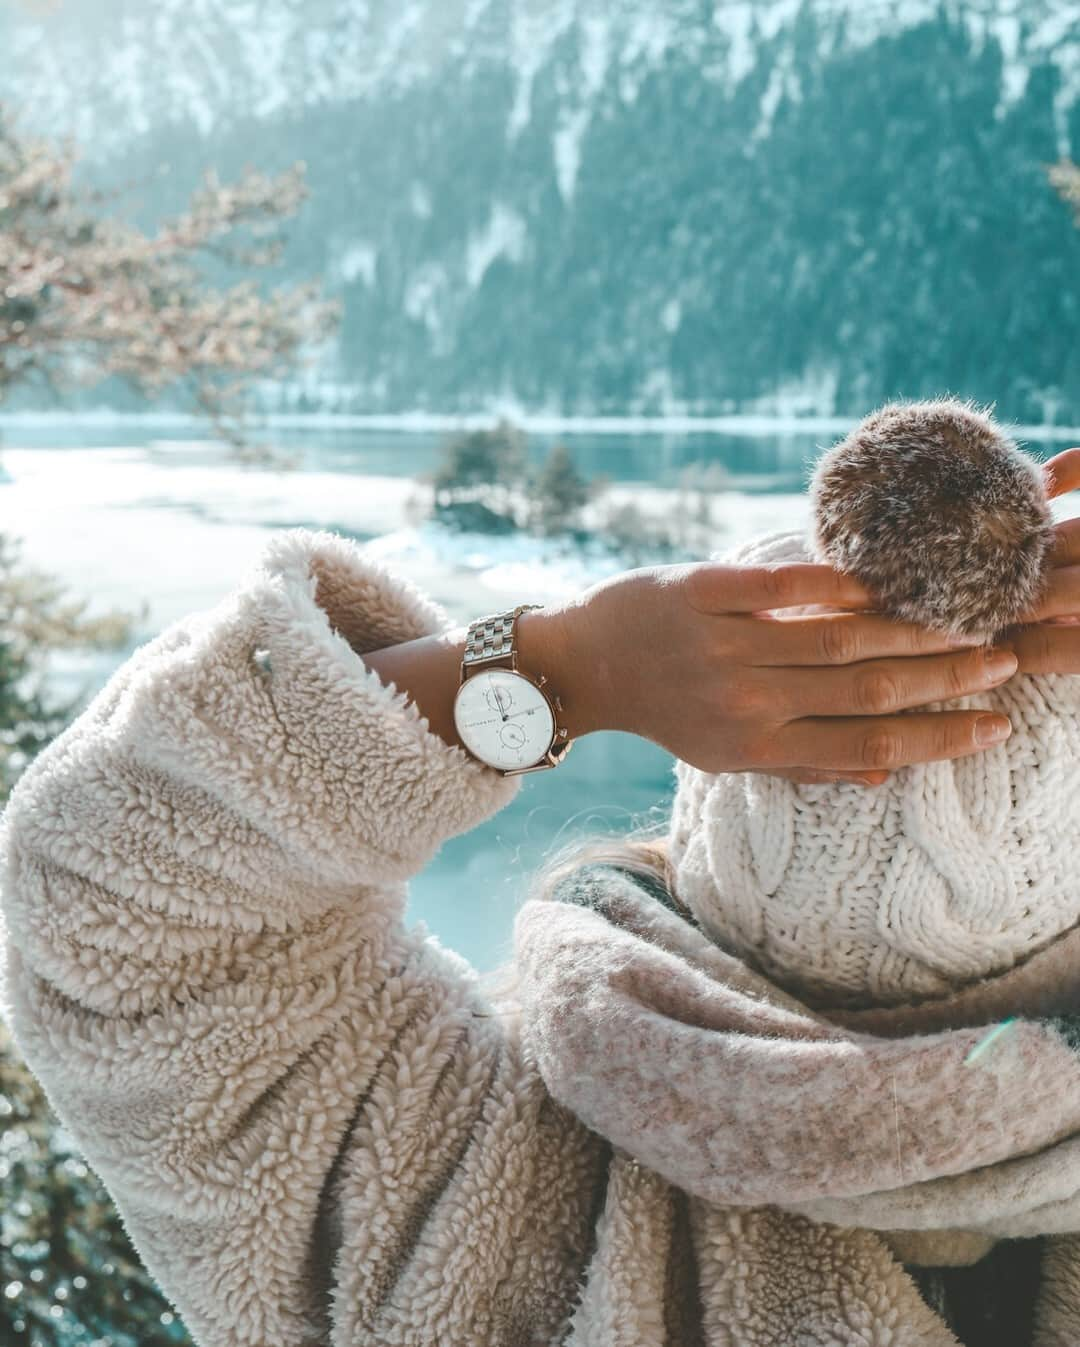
{"points": [[546, 758]]}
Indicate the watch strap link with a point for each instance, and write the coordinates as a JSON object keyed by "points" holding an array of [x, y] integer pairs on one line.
{"points": [[492, 637]]}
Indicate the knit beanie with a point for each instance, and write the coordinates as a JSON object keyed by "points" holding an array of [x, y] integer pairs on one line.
{"points": [[951, 871]]}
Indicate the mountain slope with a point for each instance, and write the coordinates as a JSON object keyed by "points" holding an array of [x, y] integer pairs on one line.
{"points": [[621, 206]]}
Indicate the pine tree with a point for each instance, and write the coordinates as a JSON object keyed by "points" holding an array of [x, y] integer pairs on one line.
{"points": [[559, 493], [68, 1273], [480, 474]]}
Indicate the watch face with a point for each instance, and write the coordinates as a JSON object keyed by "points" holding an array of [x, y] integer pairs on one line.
{"points": [[503, 718]]}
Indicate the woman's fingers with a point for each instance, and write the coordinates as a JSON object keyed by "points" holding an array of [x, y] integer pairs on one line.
{"points": [[711, 587], [836, 638], [1062, 472], [1060, 596], [810, 776], [1047, 648], [883, 743], [884, 686], [1065, 549]]}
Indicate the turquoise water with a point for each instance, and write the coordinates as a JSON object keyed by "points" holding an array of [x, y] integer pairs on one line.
{"points": [[169, 524], [773, 460]]}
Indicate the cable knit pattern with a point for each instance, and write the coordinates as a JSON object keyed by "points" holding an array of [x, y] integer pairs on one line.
{"points": [[950, 872]]}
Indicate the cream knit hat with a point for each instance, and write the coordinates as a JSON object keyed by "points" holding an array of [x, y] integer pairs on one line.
{"points": [[949, 872]]}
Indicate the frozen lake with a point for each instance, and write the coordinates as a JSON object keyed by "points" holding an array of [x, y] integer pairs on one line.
{"points": [[150, 520]]}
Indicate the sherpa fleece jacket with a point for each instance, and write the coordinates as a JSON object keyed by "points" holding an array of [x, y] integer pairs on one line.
{"points": [[314, 1128], [311, 1124]]}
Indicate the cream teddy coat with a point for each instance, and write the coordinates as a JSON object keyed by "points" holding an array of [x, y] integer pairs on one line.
{"points": [[315, 1129]]}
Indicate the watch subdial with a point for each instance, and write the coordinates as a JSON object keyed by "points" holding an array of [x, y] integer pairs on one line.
{"points": [[500, 699], [512, 736]]}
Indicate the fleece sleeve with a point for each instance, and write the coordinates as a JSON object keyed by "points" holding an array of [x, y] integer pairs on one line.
{"points": [[202, 881]]}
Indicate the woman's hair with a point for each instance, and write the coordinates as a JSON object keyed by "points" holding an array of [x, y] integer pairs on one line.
{"points": [[643, 851]]}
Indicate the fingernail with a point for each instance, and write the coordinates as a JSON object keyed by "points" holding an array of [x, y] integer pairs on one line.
{"points": [[991, 729], [1000, 664]]}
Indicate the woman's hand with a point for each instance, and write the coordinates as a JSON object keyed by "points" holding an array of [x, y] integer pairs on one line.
{"points": [[713, 663], [813, 698], [694, 658], [1051, 642]]}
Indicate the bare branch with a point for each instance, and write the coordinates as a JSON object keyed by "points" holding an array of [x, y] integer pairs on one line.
{"points": [[84, 296]]}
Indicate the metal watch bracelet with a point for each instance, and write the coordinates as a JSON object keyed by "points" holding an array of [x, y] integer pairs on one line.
{"points": [[493, 636], [490, 639]]}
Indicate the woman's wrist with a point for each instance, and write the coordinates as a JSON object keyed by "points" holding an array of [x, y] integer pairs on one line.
{"points": [[553, 641], [560, 642]]}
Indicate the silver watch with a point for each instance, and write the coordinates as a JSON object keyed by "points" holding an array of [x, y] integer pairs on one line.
{"points": [[504, 716]]}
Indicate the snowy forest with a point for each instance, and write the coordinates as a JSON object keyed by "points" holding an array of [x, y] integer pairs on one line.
{"points": [[620, 207]]}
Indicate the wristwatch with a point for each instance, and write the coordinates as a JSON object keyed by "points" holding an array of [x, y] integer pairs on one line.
{"points": [[504, 716]]}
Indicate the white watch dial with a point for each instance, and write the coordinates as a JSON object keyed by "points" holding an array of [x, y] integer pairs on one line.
{"points": [[503, 718]]}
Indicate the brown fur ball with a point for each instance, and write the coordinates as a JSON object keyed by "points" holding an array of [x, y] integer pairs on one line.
{"points": [[940, 515]]}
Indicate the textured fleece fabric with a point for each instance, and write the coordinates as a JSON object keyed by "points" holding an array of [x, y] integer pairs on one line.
{"points": [[315, 1128]]}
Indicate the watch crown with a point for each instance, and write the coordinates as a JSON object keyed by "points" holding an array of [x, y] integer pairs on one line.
{"points": [[562, 734], [541, 680]]}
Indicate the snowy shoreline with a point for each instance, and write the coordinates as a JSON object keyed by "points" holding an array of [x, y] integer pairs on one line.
{"points": [[67, 503], [536, 422]]}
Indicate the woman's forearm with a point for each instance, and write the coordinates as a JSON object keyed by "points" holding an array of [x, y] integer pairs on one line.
{"points": [[693, 658], [549, 641]]}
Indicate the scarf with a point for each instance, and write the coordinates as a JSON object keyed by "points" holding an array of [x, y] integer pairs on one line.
{"points": [[821, 1149]]}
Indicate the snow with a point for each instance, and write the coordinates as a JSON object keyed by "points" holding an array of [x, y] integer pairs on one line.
{"points": [[359, 259], [57, 500], [503, 236], [423, 292], [264, 37], [578, 97], [190, 74], [533, 422], [595, 53], [657, 391], [812, 393], [123, 69], [495, 566], [566, 149], [474, 12], [420, 201], [172, 525], [648, 37], [535, 28], [1014, 74], [770, 101], [209, 60], [736, 22], [216, 72]]}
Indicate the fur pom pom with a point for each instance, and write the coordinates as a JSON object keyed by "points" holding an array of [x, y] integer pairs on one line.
{"points": [[940, 515]]}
